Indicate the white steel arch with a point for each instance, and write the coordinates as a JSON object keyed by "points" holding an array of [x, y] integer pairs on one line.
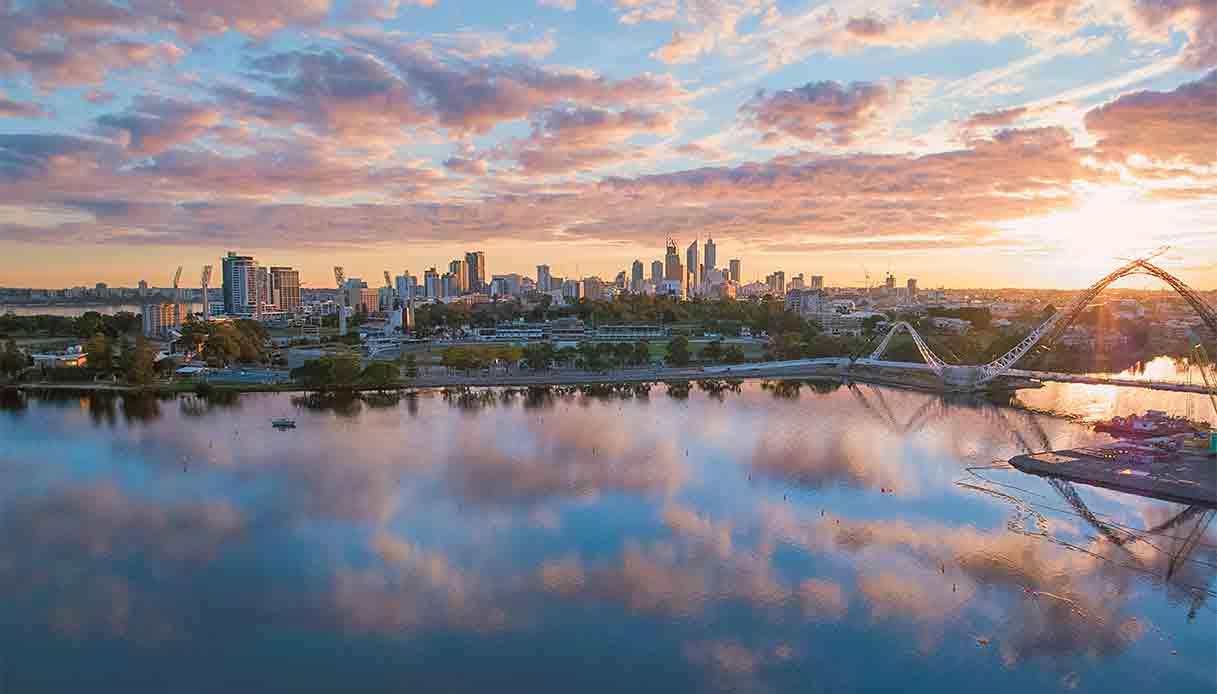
{"points": [[1051, 329]]}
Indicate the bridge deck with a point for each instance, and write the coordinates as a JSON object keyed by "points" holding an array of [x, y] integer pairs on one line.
{"points": [[1186, 478]]}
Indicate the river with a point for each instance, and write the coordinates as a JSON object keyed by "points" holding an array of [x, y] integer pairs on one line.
{"points": [[74, 310], [780, 538]]}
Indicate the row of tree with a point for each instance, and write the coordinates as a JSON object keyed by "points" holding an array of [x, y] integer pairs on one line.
{"points": [[83, 326]]}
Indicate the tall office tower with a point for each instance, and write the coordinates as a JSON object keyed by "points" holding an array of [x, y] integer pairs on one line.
{"points": [[240, 283], [671, 264], [459, 269], [619, 280], [636, 274], [776, 282], [431, 286], [406, 286], [889, 284], [734, 266], [797, 282], [817, 281], [476, 265], [593, 288], [262, 280], [693, 265], [912, 288], [285, 288], [711, 256], [657, 272], [543, 278]]}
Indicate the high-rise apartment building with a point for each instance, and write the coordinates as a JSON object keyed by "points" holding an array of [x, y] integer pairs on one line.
{"points": [[797, 282], [285, 288], [476, 268], [636, 275], [460, 284], [817, 282], [431, 285], [889, 284], [240, 284], [912, 288], [543, 278], [159, 318], [734, 266], [711, 256], [657, 271], [776, 282]]}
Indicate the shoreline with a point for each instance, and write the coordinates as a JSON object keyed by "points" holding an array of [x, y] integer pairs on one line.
{"points": [[517, 380]]}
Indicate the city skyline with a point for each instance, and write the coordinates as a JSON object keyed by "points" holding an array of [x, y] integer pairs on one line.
{"points": [[969, 144]]}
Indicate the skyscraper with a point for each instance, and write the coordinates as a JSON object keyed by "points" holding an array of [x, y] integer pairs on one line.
{"points": [[285, 288], [476, 265], [406, 286], [693, 265], [657, 272], [734, 265], [912, 288], [543, 278], [636, 276], [889, 284], [461, 276], [817, 281], [711, 256], [431, 286], [240, 283], [671, 264]]}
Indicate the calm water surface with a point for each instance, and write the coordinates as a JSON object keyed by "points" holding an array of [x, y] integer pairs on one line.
{"points": [[773, 539]]}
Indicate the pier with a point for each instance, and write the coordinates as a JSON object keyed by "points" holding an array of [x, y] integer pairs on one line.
{"points": [[1187, 478]]}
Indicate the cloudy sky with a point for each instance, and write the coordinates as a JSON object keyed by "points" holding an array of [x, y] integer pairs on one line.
{"points": [[964, 142]]}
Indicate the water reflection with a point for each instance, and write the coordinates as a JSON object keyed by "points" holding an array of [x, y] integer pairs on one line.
{"points": [[728, 536]]}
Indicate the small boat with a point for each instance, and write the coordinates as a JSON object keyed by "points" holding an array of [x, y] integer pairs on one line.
{"points": [[283, 423], [1152, 423]]}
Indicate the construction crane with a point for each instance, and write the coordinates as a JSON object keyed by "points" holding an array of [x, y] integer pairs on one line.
{"points": [[177, 299], [205, 281], [340, 280]]}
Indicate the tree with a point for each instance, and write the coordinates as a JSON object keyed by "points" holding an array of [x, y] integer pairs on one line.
{"points": [[642, 352], [734, 354], [411, 366], [97, 353], [381, 374], [623, 352], [537, 357], [678, 351], [713, 351], [140, 366], [12, 360]]}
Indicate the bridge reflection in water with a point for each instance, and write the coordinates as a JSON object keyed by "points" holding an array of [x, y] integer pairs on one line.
{"points": [[1164, 551]]}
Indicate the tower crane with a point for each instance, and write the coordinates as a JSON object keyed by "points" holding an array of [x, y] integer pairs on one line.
{"points": [[340, 280], [177, 299], [205, 281]]}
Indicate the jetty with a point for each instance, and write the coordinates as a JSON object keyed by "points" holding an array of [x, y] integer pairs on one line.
{"points": [[1186, 477]]}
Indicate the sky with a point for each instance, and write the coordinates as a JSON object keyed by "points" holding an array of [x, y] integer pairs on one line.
{"points": [[967, 143]]}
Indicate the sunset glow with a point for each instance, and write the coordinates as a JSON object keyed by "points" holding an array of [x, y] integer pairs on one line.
{"points": [[972, 143]]}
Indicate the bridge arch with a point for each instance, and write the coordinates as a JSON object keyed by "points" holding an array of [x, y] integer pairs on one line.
{"points": [[1052, 328]]}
